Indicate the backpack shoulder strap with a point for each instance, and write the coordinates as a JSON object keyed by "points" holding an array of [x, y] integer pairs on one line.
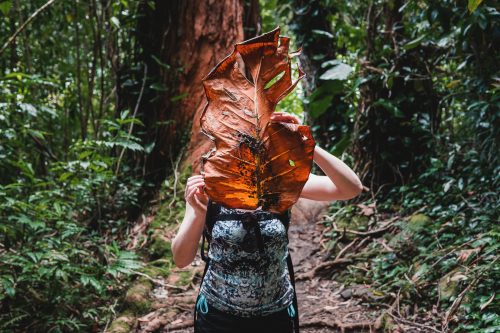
{"points": [[295, 303], [210, 218], [213, 209], [285, 219]]}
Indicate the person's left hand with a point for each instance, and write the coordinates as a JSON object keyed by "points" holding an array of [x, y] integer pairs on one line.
{"points": [[286, 118]]}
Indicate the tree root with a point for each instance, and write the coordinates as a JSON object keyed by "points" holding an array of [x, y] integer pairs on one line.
{"points": [[338, 325], [312, 273], [179, 326]]}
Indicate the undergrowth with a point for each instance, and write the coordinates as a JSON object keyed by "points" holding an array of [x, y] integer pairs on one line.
{"points": [[444, 251]]}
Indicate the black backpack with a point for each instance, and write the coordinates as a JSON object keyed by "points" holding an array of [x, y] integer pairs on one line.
{"points": [[213, 212]]}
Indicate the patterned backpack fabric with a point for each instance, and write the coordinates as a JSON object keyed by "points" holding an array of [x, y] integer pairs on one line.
{"points": [[213, 210]]}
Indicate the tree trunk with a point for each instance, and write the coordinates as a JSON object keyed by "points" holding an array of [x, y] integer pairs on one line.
{"points": [[180, 42], [240, 22]]}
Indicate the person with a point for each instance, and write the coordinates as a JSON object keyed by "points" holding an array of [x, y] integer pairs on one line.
{"points": [[244, 289]]}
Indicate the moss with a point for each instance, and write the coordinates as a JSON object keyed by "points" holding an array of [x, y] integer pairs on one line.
{"points": [[185, 278], [160, 247], [158, 268], [123, 324], [136, 298], [356, 222], [157, 223], [418, 223], [448, 284], [385, 323]]}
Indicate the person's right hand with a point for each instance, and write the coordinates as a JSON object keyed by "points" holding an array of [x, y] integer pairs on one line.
{"points": [[195, 194]]}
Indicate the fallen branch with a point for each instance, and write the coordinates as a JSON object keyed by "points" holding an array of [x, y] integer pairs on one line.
{"points": [[344, 250], [370, 232], [453, 308], [412, 323], [190, 299], [314, 271], [338, 325], [180, 326], [395, 305], [160, 282]]}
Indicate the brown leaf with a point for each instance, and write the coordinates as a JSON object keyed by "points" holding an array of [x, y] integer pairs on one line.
{"points": [[465, 254], [255, 162], [367, 210]]}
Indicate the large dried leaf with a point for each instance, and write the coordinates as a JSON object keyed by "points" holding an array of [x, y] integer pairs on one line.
{"points": [[255, 162]]}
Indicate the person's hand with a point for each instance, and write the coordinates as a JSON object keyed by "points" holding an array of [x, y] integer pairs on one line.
{"points": [[286, 118], [195, 194]]}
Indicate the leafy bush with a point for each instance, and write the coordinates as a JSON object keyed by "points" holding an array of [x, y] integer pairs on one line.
{"points": [[448, 251], [60, 227]]}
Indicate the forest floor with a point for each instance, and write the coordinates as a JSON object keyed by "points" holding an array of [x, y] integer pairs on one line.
{"points": [[324, 304]]}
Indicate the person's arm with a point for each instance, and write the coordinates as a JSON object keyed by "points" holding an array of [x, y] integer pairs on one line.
{"points": [[340, 182], [185, 242]]}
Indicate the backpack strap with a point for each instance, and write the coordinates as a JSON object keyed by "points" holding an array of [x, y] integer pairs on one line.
{"points": [[285, 219], [295, 305], [212, 211]]}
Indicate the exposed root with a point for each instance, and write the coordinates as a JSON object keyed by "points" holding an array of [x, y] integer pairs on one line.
{"points": [[344, 327], [312, 273]]}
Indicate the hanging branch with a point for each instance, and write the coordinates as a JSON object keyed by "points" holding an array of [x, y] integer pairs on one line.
{"points": [[23, 26], [133, 116]]}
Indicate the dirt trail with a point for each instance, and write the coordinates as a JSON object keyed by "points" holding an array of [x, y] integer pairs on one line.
{"points": [[324, 304]]}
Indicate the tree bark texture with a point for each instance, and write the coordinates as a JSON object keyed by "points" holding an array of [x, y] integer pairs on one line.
{"points": [[180, 41], [244, 23]]}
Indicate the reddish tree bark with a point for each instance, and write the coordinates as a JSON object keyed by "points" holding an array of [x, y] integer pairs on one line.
{"points": [[244, 24], [180, 42]]}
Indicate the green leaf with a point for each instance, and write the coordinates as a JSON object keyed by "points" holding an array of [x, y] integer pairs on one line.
{"points": [[339, 148], [473, 4], [115, 21], [10, 291], [5, 7], [158, 86], [129, 145], [179, 97], [97, 286], [322, 33], [414, 43], [339, 72], [318, 107], [292, 163], [330, 63], [390, 106], [159, 62], [85, 279]]}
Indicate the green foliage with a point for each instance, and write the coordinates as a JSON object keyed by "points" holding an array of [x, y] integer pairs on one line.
{"points": [[55, 263], [450, 243], [66, 191], [473, 4], [423, 93], [410, 92]]}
